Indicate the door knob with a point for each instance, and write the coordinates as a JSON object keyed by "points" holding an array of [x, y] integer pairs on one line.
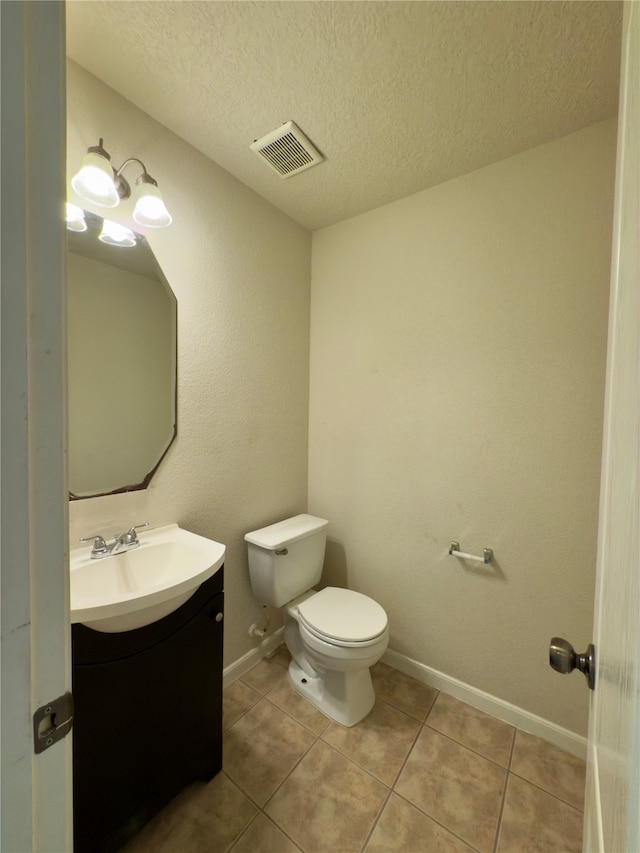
{"points": [[563, 658]]}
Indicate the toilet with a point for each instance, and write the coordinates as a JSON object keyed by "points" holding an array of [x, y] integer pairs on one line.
{"points": [[334, 635]]}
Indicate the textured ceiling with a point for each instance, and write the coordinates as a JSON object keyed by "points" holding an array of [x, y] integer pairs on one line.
{"points": [[398, 96]]}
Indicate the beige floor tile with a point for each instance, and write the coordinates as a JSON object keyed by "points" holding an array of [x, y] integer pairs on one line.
{"points": [[236, 699], [202, 818], [262, 836], [404, 829], [281, 653], [402, 691], [291, 702], [261, 748], [379, 744], [458, 788], [327, 803], [264, 675], [536, 822], [470, 727], [549, 767]]}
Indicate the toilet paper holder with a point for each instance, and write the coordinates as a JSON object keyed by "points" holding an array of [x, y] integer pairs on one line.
{"points": [[487, 554]]}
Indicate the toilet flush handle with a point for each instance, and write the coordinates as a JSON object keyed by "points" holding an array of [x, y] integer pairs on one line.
{"points": [[282, 552]]}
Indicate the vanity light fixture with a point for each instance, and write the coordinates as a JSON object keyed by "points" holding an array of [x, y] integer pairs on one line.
{"points": [[98, 182], [75, 218], [116, 235]]}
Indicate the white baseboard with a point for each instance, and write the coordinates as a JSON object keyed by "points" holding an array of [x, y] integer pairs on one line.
{"points": [[237, 669], [518, 717]]}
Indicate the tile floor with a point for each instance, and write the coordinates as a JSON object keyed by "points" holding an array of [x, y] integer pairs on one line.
{"points": [[423, 773]]}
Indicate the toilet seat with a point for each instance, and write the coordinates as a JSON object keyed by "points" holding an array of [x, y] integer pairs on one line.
{"points": [[343, 617]]}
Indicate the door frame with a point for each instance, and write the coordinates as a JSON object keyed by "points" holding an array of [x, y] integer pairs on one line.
{"points": [[36, 802]]}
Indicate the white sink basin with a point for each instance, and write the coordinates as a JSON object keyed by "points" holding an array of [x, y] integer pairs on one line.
{"points": [[134, 588]]}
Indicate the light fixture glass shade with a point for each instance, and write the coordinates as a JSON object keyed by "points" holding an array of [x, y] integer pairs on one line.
{"points": [[94, 182], [150, 209], [116, 235], [75, 218]]}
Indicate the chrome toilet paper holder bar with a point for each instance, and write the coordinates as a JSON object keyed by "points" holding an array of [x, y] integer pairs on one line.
{"points": [[487, 554]]}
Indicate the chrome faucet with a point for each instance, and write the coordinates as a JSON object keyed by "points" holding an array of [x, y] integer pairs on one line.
{"points": [[121, 542]]}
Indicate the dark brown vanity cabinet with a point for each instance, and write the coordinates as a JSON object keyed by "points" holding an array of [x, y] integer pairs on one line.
{"points": [[148, 717]]}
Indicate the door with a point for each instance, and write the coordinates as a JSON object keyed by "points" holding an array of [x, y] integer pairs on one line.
{"points": [[36, 789], [612, 821]]}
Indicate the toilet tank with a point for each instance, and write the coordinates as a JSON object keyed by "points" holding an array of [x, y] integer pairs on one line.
{"points": [[285, 559]]}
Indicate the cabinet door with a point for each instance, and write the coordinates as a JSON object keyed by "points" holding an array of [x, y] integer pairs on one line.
{"points": [[145, 727]]}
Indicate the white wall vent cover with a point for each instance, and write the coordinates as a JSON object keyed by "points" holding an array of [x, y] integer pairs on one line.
{"points": [[287, 150]]}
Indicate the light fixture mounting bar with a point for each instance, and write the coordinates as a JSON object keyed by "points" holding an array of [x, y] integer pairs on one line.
{"points": [[122, 184]]}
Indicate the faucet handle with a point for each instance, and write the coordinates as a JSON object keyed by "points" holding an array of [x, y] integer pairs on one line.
{"points": [[130, 537], [99, 545]]}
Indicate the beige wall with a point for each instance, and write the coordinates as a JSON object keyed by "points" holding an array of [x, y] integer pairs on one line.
{"points": [[240, 271], [457, 371]]}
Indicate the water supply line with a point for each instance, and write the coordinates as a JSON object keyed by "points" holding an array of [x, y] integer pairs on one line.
{"points": [[255, 630]]}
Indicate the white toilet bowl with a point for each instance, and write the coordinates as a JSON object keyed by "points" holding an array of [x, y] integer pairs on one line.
{"points": [[334, 637]]}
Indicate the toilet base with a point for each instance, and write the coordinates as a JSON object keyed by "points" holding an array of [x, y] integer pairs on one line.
{"points": [[346, 697]]}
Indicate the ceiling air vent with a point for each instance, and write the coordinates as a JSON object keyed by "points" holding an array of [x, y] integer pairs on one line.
{"points": [[287, 150]]}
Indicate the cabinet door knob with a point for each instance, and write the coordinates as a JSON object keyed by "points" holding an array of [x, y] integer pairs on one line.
{"points": [[219, 617]]}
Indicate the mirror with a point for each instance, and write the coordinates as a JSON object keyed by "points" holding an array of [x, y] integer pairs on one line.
{"points": [[122, 363]]}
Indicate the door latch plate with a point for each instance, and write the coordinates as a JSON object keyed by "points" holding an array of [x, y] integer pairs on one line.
{"points": [[52, 722]]}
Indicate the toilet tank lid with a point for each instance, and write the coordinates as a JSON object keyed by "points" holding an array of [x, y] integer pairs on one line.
{"points": [[285, 532]]}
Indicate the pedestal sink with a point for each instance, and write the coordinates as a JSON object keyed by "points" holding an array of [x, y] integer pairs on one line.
{"points": [[134, 588]]}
